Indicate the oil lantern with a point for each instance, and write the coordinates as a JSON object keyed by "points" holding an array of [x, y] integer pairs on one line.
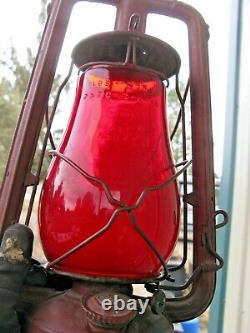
{"points": [[111, 208], [114, 152]]}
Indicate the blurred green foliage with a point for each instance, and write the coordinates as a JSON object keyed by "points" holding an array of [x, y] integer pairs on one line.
{"points": [[12, 90]]}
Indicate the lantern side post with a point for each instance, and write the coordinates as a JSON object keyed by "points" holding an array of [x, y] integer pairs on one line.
{"points": [[18, 175], [203, 173], [217, 311]]}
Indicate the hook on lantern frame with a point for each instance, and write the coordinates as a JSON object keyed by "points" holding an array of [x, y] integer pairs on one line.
{"points": [[18, 175]]}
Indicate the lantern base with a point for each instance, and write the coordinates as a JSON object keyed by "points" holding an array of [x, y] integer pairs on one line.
{"points": [[80, 310]]}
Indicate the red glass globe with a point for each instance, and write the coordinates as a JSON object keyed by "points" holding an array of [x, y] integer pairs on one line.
{"points": [[117, 132]]}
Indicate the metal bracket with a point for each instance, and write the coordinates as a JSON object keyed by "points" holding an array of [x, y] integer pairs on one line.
{"points": [[191, 199], [31, 179], [225, 220]]}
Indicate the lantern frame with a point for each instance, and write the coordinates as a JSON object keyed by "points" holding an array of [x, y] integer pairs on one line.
{"points": [[18, 175]]}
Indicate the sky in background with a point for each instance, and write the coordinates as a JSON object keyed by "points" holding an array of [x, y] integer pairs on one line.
{"points": [[19, 26]]}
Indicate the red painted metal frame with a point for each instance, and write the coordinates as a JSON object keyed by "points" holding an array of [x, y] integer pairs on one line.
{"points": [[17, 176]]}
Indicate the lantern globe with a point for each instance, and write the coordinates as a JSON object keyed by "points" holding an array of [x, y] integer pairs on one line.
{"points": [[117, 132]]}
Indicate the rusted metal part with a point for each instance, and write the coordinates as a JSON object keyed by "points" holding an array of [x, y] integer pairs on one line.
{"points": [[211, 267], [182, 117], [225, 218], [203, 177], [48, 136], [108, 281], [191, 199], [35, 105], [149, 52], [83, 303], [183, 100], [31, 179], [112, 319], [32, 113], [184, 156]]}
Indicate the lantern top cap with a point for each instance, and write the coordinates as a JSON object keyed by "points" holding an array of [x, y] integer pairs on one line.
{"points": [[151, 52]]}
